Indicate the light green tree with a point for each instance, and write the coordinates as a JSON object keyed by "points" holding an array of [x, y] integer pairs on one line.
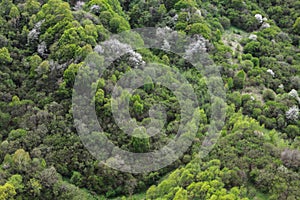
{"points": [[5, 56], [7, 191], [296, 26], [181, 194]]}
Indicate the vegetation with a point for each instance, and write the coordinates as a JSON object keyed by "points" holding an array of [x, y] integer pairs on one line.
{"points": [[43, 44]]}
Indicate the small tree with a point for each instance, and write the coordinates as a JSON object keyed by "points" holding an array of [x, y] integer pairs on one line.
{"points": [[181, 194], [202, 29], [5, 56], [7, 192], [292, 131], [269, 95], [17, 181], [21, 159], [76, 178], [14, 15], [118, 24], [139, 141], [35, 187], [239, 80], [296, 26], [293, 113], [252, 48]]}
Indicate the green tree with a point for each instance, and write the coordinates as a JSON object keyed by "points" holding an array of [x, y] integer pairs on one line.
{"points": [[14, 15], [138, 107], [32, 6], [21, 159], [70, 74], [17, 181], [202, 29], [148, 84], [183, 4], [5, 6], [140, 140], [99, 97], [151, 193], [253, 48], [14, 12], [76, 178], [7, 192], [225, 22], [57, 17], [5, 56], [35, 187], [269, 95], [292, 131], [296, 26], [15, 134], [105, 17], [118, 24], [4, 120], [181, 194], [239, 80]]}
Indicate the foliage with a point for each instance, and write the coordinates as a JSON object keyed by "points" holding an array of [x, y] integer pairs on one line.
{"points": [[256, 44]]}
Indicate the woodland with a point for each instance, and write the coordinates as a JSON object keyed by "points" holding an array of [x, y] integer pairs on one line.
{"points": [[256, 43]]}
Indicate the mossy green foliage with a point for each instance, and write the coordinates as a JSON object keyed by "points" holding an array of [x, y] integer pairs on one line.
{"points": [[43, 44]]}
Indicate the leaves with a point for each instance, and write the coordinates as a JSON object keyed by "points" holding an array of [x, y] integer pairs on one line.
{"points": [[5, 56], [44, 44]]}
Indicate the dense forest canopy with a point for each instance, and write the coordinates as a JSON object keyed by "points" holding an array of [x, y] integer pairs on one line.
{"points": [[256, 44]]}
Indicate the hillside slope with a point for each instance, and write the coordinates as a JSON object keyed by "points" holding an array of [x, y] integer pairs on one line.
{"points": [[44, 44]]}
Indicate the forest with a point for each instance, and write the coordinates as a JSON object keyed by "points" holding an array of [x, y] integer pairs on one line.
{"points": [[246, 124]]}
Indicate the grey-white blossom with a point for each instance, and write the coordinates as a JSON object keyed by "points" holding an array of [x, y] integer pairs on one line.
{"points": [[198, 46], [271, 72], [253, 37], [135, 59], [166, 46], [293, 93], [95, 9], [163, 32], [42, 48], [99, 49], [281, 86], [265, 25], [33, 35], [259, 18], [38, 25], [198, 12], [112, 48], [79, 5], [292, 113], [115, 47], [166, 38]]}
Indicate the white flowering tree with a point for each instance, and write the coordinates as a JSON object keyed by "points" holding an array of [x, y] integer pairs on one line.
{"points": [[292, 113], [115, 47]]}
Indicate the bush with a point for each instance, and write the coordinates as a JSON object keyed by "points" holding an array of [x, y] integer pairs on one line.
{"points": [[118, 24], [225, 22], [239, 80], [296, 26], [247, 65], [252, 48], [5, 56], [202, 29], [269, 95]]}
